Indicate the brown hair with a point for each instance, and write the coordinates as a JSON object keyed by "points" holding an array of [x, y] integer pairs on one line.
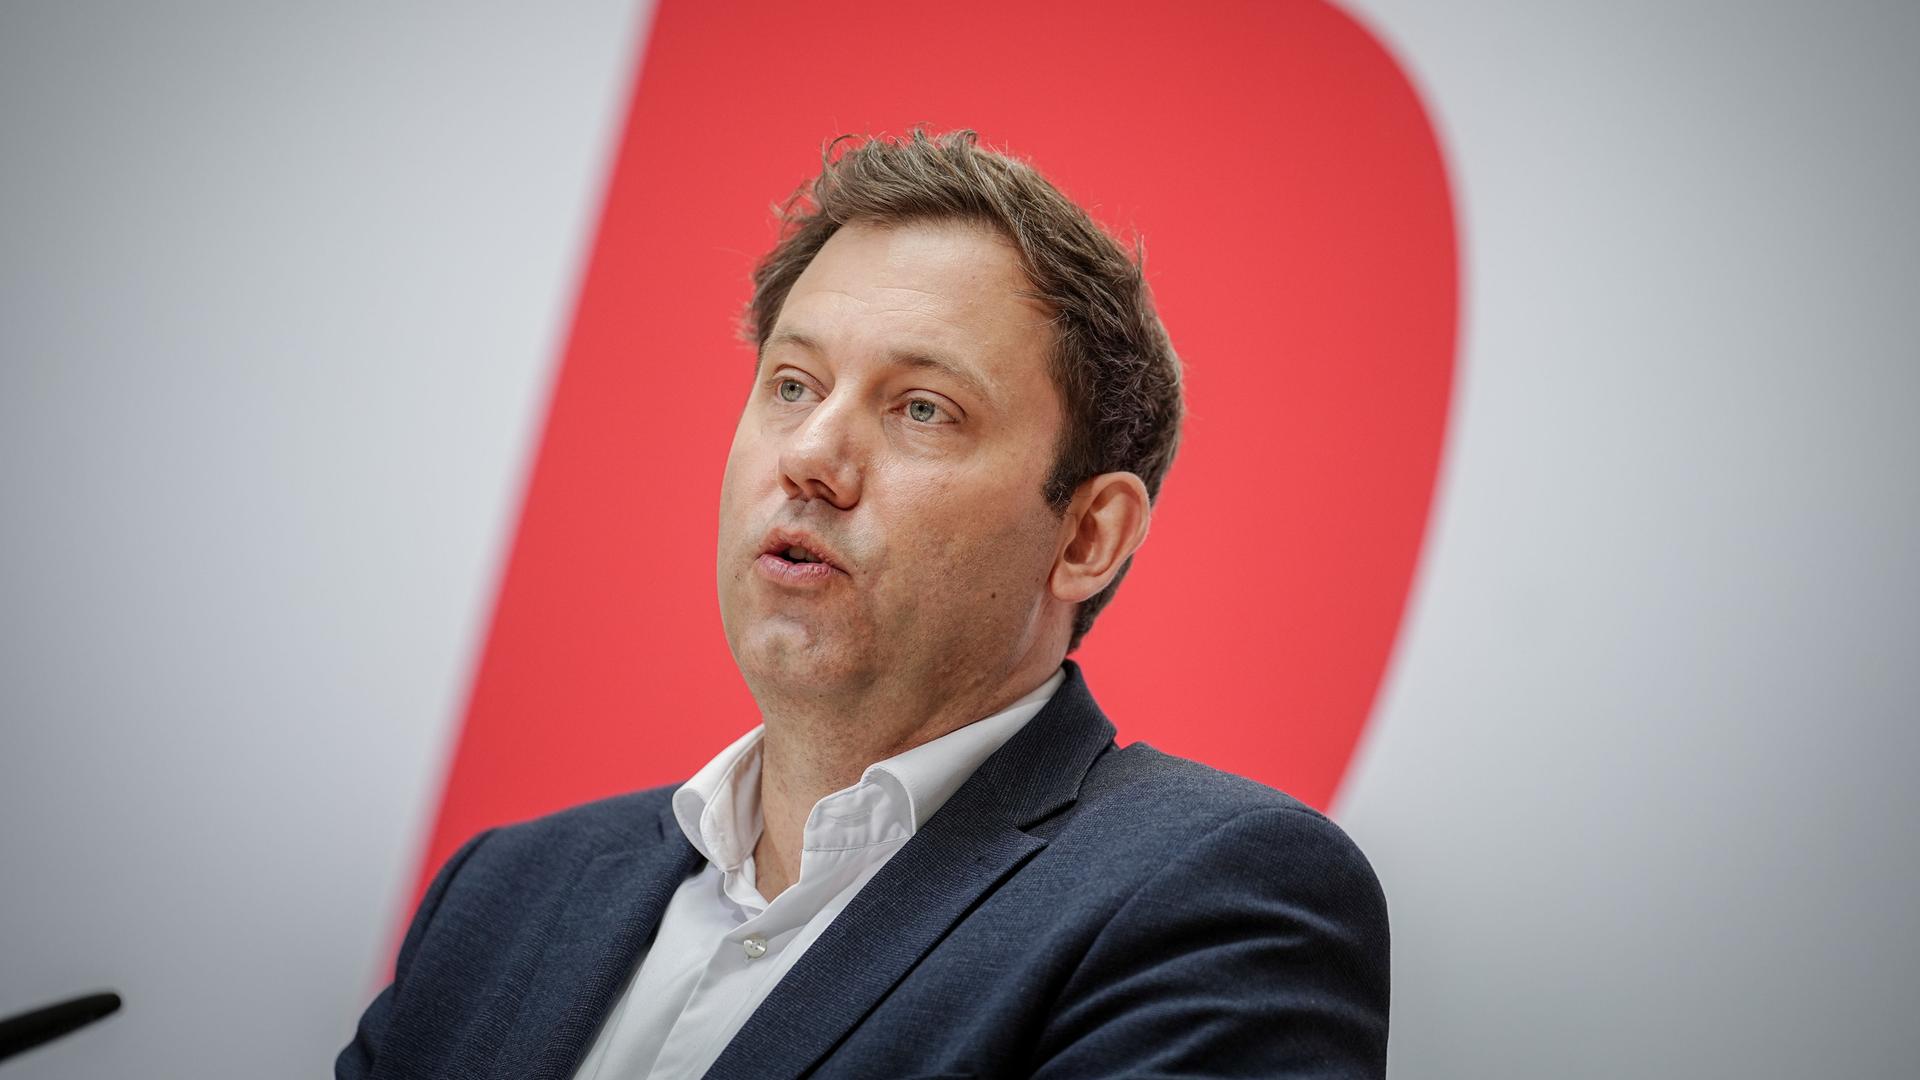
{"points": [[1118, 377]]}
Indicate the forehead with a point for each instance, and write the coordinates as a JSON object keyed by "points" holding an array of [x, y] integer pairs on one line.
{"points": [[950, 290]]}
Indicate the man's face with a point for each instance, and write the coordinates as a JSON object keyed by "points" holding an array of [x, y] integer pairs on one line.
{"points": [[901, 428]]}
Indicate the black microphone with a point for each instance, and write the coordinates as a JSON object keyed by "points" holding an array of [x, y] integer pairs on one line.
{"points": [[30, 1029]]}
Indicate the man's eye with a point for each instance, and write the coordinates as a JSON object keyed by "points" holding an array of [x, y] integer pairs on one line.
{"points": [[923, 410], [791, 389]]}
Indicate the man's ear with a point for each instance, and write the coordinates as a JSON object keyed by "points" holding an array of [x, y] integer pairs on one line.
{"points": [[1104, 524]]}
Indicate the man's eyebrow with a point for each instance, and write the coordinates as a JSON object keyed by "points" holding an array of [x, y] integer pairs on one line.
{"points": [[783, 337], [910, 359], [789, 337], [930, 362]]}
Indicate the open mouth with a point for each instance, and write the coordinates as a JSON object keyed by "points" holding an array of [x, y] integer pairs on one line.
{"points": [[797, 554], [795, 557]]}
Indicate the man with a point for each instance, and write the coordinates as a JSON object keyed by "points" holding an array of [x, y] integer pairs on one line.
{"points": [[931, 859]]}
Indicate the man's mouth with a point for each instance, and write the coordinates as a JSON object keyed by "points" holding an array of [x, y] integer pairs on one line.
{"points": [[801, 554]]}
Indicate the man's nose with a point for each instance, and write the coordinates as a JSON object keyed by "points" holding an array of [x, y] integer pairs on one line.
{"points": [[822, 460]]}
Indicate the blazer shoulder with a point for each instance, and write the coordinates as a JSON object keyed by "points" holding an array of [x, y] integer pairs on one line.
{"points": [[1229, 923], [1142, 780], [1165, 803], [635, 819]]}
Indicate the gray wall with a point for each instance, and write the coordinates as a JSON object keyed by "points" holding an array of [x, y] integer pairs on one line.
{"points": [[280, 292], [1640, 786]]}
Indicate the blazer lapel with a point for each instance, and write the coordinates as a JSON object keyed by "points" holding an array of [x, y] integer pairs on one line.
{"points": [[976, 841], [611, 914]]}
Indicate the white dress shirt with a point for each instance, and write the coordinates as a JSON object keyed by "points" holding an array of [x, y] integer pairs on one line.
{"points": [[721, 946]]}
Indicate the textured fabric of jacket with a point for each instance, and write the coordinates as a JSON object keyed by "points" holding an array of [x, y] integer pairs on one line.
{"points": [[1075, 910]]}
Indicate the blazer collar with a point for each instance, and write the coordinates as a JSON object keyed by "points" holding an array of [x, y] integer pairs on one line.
{"points": [[1039, 771], [975, 842], [559, 1001]]}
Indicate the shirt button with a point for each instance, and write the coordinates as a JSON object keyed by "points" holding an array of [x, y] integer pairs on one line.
{"points": [[754, 947]]}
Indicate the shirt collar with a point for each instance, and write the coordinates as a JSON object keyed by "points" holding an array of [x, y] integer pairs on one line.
{"points": [[719, 807]]}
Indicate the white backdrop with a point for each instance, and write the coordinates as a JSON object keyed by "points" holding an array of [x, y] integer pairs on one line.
{"points": [[1640, 788], [280, 293]]}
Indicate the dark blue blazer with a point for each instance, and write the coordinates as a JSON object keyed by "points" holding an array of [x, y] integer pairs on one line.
{"points": [[1075, 910]]}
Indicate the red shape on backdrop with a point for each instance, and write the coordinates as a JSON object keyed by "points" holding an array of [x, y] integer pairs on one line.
{"points": [[1301, 248]]}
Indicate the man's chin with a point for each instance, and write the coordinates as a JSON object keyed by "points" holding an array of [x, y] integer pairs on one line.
{"points": [[789, 658]]}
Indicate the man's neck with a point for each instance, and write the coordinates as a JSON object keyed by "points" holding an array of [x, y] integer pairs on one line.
{"points": [[815, 747]]}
